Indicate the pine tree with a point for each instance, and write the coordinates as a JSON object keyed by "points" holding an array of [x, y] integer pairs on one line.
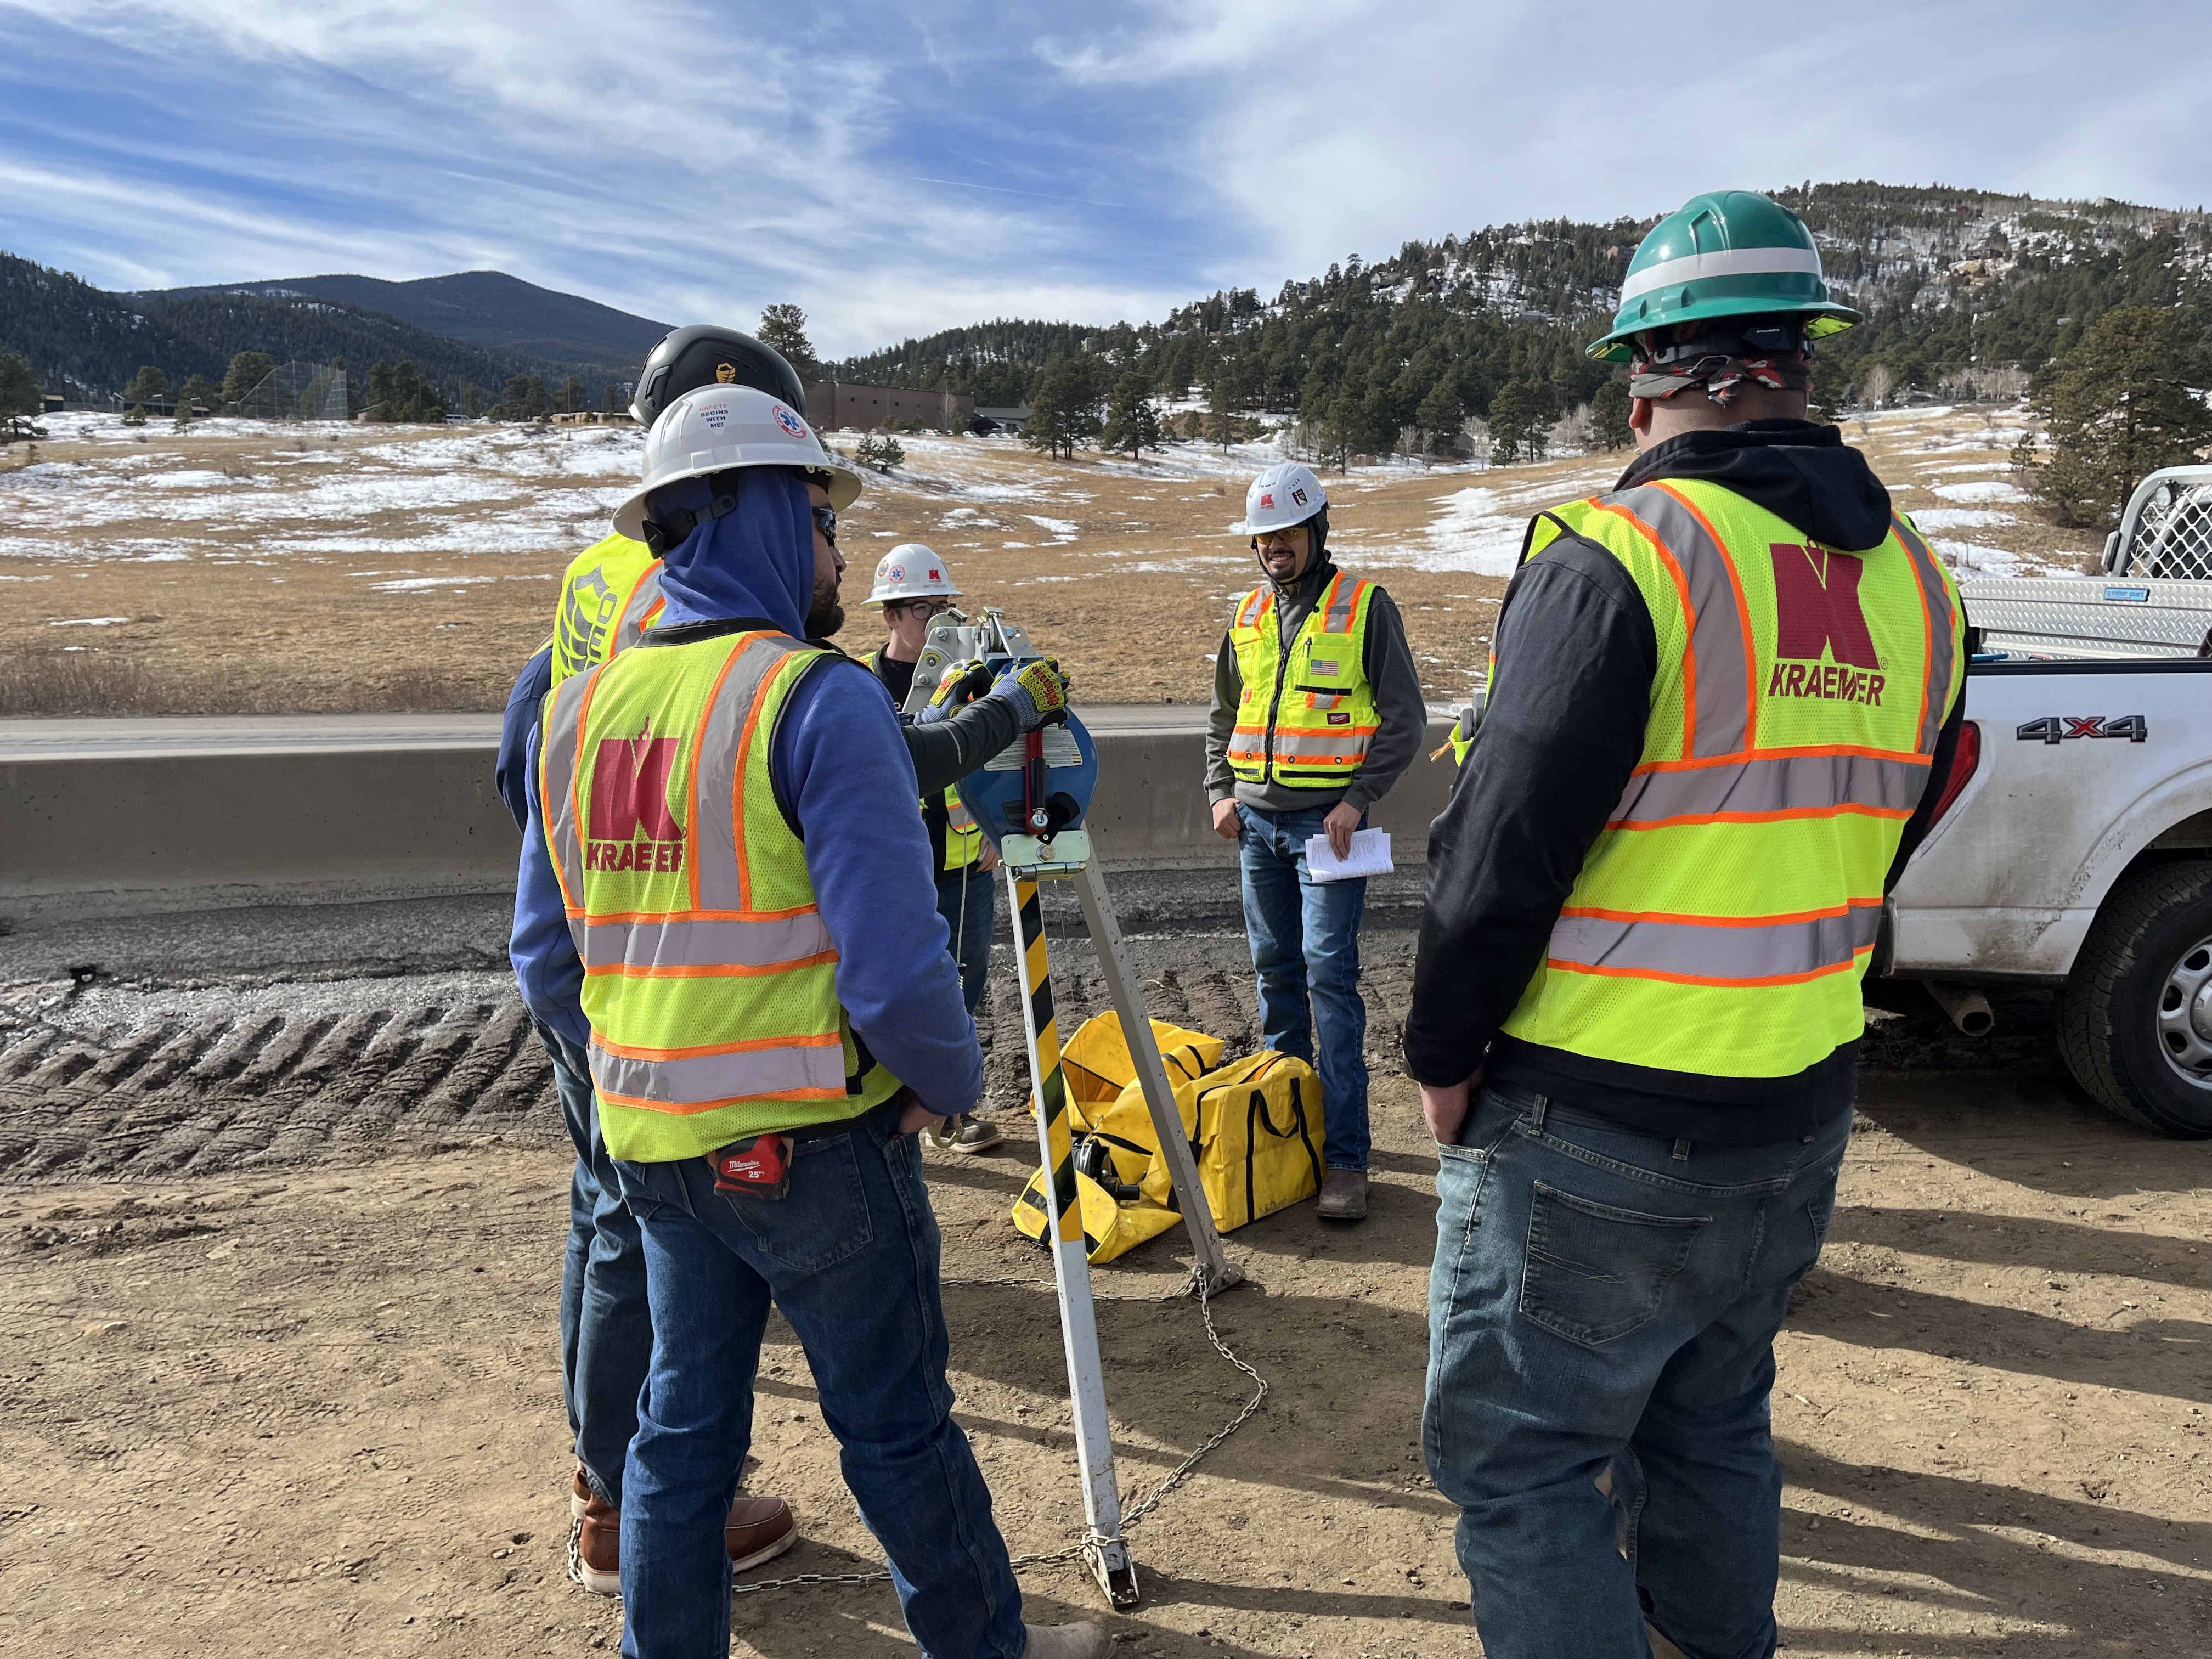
{"points": [[1133, 419], [572, 395], [1521, 422], [19, 387], [611, 401], [784, 327], [148, 386], [1065, 410], [197, 392], [1222, 426], [1609, 409], [1441, 412], [2122, 404], [247, 370]]}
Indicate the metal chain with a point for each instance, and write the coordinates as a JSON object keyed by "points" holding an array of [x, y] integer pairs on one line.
{"points": [[1131, 1518]]}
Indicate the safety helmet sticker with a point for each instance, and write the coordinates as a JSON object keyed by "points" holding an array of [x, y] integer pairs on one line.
{"points": [[715, 417], [789, 421]]}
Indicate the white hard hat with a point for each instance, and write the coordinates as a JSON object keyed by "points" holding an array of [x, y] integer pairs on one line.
{"points": [[910, 571], [1285, 494], [716, 427]]}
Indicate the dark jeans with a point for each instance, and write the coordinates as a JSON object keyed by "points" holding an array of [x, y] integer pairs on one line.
{"points": [[964, 899], [606, 1328], [1603, 1305], [850, 1254], [1305, 944]]}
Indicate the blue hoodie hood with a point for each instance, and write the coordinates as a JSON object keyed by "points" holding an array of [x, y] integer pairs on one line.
{"points": [[756, 560]]}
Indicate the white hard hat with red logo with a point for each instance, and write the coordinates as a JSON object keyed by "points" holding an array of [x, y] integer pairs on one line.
{"points": [[715, 428], [1285, 494], [910, 571]]}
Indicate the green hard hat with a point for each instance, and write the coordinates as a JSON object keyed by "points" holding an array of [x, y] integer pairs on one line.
{"points": [[1726, 253]]}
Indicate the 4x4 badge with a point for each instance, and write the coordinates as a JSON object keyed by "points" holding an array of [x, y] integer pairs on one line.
{"points": [[2057, 728]]}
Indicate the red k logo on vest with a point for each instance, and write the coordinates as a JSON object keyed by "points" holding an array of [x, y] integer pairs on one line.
{"points": [[630, 795], [1821, 631]]}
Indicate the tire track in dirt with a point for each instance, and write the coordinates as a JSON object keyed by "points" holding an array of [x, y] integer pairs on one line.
{"points": [[86, 1096]]}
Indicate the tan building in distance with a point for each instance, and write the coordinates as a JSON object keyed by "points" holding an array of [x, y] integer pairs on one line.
{"points": [[830, 405]]}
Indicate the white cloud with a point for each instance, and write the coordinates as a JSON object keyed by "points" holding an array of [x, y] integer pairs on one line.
{"points": [[687, 159]]}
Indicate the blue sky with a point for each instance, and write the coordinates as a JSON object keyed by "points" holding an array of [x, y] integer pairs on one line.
{"points": [[899, 167]]}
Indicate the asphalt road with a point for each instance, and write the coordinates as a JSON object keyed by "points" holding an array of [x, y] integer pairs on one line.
{"points": [[222, 734]]}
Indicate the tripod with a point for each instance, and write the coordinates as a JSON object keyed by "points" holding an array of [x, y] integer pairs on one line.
{"points": [[1029, 861]]}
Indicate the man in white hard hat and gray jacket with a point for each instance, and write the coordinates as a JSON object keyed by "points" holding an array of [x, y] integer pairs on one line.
{"points": [[914, 586], [1317, 710]]}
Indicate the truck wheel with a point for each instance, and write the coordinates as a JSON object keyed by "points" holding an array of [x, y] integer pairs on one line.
{"points": [[2134, 1017]]}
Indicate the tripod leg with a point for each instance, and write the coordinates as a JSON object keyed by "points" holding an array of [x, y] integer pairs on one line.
{"points": [[1078, 1326], [1128, 997]]}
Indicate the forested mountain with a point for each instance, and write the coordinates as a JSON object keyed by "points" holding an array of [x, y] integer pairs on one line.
{"points": [[486, 308], [90, 342], [1967, 292]]}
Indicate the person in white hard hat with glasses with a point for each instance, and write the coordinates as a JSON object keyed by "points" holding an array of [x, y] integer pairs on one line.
{"points": [[1317, 710], [913, 587]]}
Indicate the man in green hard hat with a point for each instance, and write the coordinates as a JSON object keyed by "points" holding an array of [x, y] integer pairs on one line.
{"points": [[1724, 700]]}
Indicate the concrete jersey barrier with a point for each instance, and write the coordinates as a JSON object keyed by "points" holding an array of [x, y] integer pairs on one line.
{"points": [[112, 816]]}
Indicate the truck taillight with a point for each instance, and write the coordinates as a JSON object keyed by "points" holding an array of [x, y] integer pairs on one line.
{"points": [[1964, 759]]}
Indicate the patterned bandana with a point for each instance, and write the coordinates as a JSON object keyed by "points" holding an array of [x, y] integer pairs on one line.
{"points": [[1717, 365]]}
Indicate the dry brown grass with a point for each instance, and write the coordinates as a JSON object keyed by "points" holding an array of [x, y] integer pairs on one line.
{"points": [[1133, 601]]}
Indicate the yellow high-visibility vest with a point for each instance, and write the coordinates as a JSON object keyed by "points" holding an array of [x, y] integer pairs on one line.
{"points": [[1723, 918], [610, 595], [709, 975], [1306, 717]]}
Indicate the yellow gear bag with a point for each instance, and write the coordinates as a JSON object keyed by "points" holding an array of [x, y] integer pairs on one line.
{"points": [[1109, 1228], [1098, 1066], [1256, 1129]]}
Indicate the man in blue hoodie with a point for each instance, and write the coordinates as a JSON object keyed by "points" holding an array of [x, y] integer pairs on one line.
{"points": [[818, 1202]]}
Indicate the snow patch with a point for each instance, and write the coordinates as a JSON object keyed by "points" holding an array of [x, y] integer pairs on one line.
{"points": [[1984, 490]]}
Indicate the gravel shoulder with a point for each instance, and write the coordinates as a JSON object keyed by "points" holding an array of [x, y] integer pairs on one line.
{"points": [[281, 1246]]}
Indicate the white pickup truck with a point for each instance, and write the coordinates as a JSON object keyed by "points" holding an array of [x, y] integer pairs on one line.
{"points": [[2074, 848]]}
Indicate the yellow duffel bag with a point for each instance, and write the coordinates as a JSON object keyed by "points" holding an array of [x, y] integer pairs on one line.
{"points": [[1097, 1067], [1256, 1129], [1109, 1228]]}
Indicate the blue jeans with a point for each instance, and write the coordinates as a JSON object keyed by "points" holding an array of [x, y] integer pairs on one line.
{"points": [[1305, 942], [606, 1328], [1603, 1306], [850, 1254], [969, 915]]}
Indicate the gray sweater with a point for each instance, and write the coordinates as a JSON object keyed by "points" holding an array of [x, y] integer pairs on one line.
{"points": [[1403, 714]]}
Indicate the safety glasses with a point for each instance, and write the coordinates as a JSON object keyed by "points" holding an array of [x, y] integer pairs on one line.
{"points": [[924, 607], [825, 520]]}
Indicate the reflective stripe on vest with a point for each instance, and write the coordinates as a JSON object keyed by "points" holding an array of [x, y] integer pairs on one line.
{"points": [[609, 594], [963, 836], [1720, 920], [709, 976], [1304, 717]]}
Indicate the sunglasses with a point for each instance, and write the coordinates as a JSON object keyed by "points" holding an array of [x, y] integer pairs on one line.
{"points": [[825, 520]]}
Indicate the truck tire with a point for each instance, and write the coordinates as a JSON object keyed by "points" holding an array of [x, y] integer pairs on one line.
{"points": [[2134, 1017]]}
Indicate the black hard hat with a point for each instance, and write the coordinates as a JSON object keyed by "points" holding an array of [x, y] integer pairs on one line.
{"points": [[706, 354]]}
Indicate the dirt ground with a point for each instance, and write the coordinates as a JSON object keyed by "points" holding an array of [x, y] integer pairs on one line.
{"points": [[309, 1402], [240, 568]]}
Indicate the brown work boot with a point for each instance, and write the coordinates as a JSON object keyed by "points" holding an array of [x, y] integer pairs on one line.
{"points": [[758, 1529], [1083, 1641], [1344, 1195], [598, 1548], [579, 1494]]}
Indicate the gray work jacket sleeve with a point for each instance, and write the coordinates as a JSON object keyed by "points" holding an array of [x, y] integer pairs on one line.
{"points": [[1401, 712], [945, 751], [1221, 721]]}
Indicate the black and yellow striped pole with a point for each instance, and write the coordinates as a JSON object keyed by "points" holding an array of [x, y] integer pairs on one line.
{"points": [[1086, 1378]]}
